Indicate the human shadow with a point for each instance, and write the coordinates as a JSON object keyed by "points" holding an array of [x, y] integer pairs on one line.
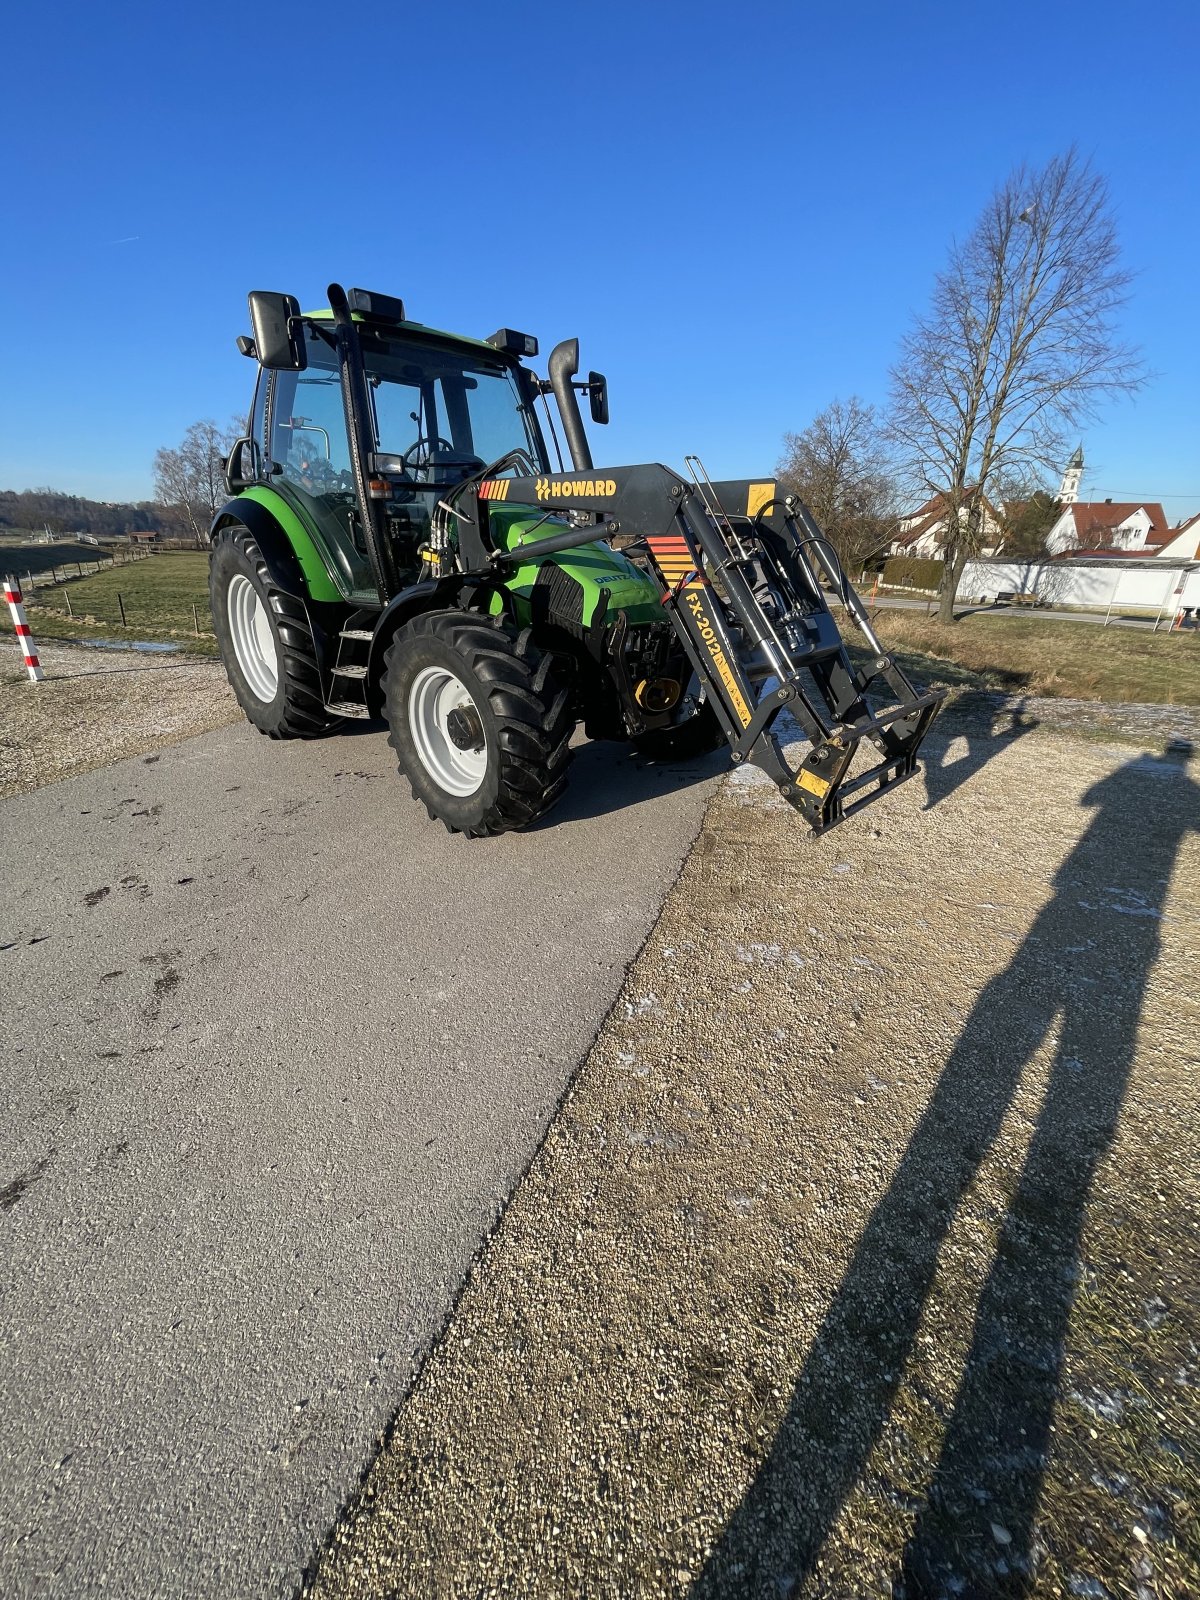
{"points": [[986, 725], [1084, 965]]}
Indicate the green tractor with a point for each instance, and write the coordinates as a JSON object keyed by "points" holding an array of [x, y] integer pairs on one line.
{"points": [[399, 544]]}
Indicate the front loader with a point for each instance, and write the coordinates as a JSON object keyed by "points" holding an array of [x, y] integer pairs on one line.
{"points": [[398, 543]]}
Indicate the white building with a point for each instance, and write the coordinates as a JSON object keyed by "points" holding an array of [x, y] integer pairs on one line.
{"points": [[1115, 526], [923, 531], [1105, 527], [1183, 542]]}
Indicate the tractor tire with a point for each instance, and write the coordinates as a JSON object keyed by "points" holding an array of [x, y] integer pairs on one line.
{"points": [[697, 734], [480, 725], [266, 643]]}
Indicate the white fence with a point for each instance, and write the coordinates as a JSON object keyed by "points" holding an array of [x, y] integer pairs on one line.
{"points": [[1148, 585]]}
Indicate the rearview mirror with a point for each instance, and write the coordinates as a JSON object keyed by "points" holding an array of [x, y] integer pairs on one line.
{"points": [[598, 396], [278, 337], [241, 466]]}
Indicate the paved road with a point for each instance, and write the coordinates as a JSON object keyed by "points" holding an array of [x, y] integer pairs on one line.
{"points": [[277, 1049], [963, 609]]}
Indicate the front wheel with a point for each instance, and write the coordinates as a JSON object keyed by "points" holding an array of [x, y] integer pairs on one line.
{"points": [[479, 723]]}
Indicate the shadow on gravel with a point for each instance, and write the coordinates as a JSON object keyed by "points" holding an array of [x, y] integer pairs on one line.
{"points": [[1084, 966], [984, 727]]}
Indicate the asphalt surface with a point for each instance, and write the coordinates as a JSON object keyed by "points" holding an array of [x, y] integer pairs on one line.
{"points": [[278, 1048]]}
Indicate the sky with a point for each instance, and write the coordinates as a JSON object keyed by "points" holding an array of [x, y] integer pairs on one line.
{"points": [[736, 207]]}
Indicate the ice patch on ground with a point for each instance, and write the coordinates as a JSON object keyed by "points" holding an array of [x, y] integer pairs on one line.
{"points": [[643, 1006]]}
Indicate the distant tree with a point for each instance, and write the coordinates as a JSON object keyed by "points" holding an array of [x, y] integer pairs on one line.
{"points": [[1017, 349], [839, 467], [67, 513], [1026, 520], [190, 480]]}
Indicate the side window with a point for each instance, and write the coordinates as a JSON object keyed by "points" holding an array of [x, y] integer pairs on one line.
{"points": [[308, 427]]}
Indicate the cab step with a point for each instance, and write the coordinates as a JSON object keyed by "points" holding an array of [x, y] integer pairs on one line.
{"points": [[348, 672], [364, 634], [347, 708]]}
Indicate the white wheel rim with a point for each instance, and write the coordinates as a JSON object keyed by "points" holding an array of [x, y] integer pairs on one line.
{"points": [[435, 693], [253, 641]]}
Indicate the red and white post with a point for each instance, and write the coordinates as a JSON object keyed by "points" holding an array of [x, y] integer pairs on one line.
{"points": [[12, 593]]}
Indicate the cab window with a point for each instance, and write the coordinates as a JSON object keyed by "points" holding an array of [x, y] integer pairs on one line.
{"points": [[308, 432]]}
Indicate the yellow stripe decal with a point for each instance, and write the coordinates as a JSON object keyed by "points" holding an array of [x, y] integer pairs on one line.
{"points": [[760, 495], [713, 645]]}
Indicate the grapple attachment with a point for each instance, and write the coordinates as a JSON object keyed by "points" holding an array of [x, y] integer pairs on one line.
{"points": [[739, 571]]}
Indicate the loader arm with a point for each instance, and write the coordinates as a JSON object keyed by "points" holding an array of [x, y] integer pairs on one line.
{"points": [[737, 564]]}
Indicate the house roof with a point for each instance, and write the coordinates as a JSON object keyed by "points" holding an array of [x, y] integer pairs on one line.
{"points": [[1101, 552], [1091, 516], [934, 512], [937, 502], [921, 527]]}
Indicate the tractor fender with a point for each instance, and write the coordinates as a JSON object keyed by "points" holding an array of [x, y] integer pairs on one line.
{"points": [[276, 547]]}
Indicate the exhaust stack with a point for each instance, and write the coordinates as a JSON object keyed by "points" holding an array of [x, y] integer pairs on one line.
{"points": [[564, 364]]}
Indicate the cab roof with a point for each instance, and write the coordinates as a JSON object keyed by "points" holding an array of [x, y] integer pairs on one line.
{"points": [[389, 327]]}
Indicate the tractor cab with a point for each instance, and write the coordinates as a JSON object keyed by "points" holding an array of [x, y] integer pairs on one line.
{"points": [[440, 408]]}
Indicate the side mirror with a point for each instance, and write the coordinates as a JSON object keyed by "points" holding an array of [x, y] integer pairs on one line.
{"points": [[598, 396], [278, 336], [241, 466]]}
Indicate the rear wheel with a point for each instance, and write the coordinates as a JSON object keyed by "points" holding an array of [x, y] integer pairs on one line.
{"points": [[480, 725], [266, 643]]}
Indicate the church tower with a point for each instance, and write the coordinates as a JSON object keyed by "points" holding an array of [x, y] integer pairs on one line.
{"points": [[1068, 492]]}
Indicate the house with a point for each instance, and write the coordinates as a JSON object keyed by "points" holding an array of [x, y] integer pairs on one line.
{"points": [[1105, 527], [1183, 542], [923, 531], [1121, 527], [143, 535]]}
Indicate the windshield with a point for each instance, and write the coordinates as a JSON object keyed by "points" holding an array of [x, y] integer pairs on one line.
{"points": [[446, 413]]}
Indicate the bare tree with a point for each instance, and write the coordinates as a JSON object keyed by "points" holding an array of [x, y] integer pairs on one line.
{"points": [[1017, 349], [840, 469], [189, 481]]}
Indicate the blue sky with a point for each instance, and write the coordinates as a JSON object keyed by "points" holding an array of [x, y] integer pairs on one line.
{"points": [[736, 207]]}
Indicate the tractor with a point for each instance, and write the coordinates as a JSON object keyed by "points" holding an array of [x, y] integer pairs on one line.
{"points": [[399, 544]]}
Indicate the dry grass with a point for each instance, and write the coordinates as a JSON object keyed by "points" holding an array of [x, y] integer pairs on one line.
{"points": [[1079, 660]]}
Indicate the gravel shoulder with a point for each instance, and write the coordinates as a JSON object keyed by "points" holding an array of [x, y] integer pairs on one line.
{"points": [[95, 707], [863, 1255]]}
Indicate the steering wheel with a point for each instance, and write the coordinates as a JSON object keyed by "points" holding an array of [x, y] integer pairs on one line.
{"points": [[437, 452]]}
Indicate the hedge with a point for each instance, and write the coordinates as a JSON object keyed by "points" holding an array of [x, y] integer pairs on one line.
{"points": [[913, 572]]}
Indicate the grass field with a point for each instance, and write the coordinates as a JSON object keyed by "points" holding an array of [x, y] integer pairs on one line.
{"points": [[1077, 660], [1072, 659], [158, 596]]}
